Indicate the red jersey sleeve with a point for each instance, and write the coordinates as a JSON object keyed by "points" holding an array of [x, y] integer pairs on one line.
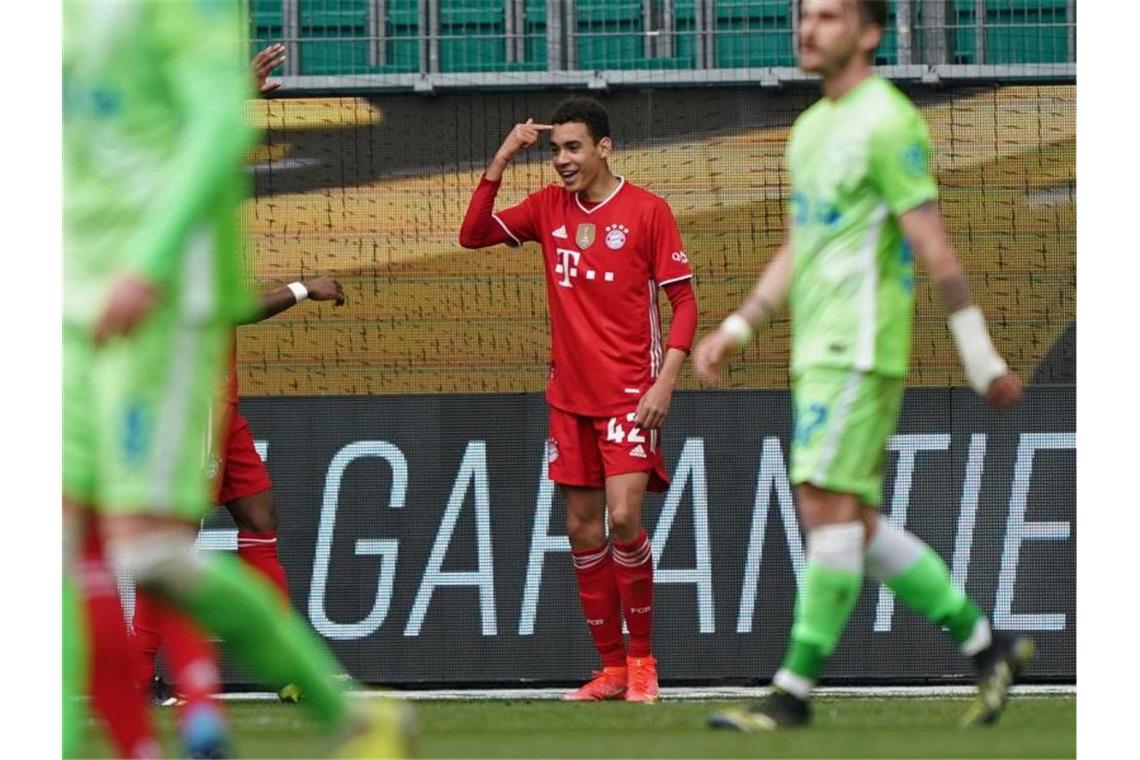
{"points": [[669, 264], [483, 228], [521, 222]]}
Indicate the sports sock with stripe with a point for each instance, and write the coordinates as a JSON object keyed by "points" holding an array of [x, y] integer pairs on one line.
{"points": [[633, 568], [832, 580], [259, 550], [921, 581], [601, 602]]}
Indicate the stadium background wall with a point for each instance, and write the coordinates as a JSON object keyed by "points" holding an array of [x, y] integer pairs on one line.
{"points": [[423, 540], [439, 357], [374, 190]]}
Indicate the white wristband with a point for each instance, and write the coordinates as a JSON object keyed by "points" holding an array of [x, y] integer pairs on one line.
{"points": [[738, 327], [300, 292], [981, 361]]}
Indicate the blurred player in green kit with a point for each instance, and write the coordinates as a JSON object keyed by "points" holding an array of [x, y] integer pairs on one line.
{"points": [[155, 132], [862, 199]]}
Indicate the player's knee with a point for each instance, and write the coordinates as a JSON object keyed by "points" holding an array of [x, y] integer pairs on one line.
{"points": [[257, 513], [584, 533], [625, 523], [163, 561]]}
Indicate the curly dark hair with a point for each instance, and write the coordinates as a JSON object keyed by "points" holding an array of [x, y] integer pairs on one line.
{"points": [[584, 111]]}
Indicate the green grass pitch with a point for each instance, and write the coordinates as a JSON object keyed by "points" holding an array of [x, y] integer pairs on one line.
{"points": [[844, 727]]}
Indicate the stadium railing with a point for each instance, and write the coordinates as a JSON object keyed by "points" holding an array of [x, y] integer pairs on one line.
{"points": [[432, 44]]}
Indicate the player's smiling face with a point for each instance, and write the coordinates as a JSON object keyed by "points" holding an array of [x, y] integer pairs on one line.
{"points": [[578, 159], [831, 33]]}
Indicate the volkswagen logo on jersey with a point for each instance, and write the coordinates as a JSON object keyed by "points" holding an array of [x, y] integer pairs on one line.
{"points": [[584, 237], [615, 236]]}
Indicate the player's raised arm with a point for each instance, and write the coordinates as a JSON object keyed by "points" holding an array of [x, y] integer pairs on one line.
{"points": [[987, 372], [481, 226], [263, 64], [766, 298]]}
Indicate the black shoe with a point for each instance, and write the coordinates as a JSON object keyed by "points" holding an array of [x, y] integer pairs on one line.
{"points": [[162, 695], [779, 710], [999, 667]]}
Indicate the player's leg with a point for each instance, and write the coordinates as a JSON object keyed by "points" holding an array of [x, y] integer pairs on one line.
{"points": [[843, 420], [116, 694], [74, 655], [247, 492], [633, 568], [574, 464], [256, 518], [156, 393], [93, 615], [919, 578], [633, 465], [597, 591], [73, 659]]}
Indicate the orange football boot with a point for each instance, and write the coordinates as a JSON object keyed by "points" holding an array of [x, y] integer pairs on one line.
{"points": [[607, 683], [642, 680]]}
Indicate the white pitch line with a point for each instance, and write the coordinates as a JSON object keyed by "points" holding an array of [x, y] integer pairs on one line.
{"points": [[690, 692]]}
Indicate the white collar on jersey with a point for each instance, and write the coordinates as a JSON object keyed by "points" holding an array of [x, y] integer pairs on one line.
{"points": [[610, 197]]}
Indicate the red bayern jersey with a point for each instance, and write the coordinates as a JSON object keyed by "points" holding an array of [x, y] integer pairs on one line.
{"points": [[604, 263]]}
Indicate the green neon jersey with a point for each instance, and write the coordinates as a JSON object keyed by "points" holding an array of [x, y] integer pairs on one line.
{"points": [[856, 164], [154, 136]]}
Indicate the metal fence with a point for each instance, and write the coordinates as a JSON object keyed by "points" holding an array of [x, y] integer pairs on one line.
{"points": [[429, 44]]}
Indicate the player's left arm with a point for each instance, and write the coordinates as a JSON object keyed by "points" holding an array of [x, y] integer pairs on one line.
{"points": [[670, 267], [653, 407], [273, 302], [900, 167], [988, 373]]}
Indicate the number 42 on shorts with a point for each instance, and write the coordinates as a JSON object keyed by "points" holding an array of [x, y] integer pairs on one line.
{"points": [[615, 432]]}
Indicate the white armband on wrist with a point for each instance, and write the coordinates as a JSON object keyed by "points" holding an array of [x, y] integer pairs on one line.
{"points": [[300, 292], [738, 327], [982, 363]]}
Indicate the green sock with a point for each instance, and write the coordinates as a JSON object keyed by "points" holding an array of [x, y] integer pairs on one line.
{"points": [[237, 604], [822, 607], [74, 662], [926, 588]]}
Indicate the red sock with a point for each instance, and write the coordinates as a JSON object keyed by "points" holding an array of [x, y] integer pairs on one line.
{"points": [[191, 661], [633, 566], [259, 550], [146, 627], [601, 604], [114, 664]]}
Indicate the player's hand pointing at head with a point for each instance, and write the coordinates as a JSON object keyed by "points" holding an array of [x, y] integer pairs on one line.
{"points": [[522, 136]]}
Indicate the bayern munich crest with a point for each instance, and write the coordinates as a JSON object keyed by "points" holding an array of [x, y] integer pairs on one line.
{"points": [[551, 450], [615, 236]]}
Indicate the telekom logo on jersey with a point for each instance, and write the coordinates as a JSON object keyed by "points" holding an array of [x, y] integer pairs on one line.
{"points": [[567, 266]]}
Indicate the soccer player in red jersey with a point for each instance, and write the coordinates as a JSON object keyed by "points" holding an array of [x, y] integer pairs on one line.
{"points": [[608, 246]]}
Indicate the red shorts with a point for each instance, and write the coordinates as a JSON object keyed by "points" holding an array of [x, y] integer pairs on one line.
{"points": [[584, 451], [241, 472]]}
